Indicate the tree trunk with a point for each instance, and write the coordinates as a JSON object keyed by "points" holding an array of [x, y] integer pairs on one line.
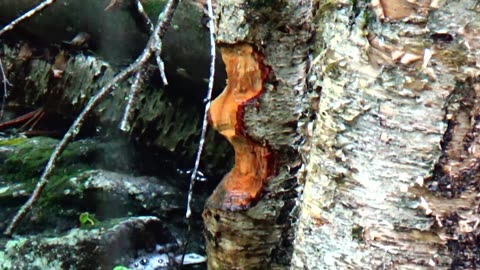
{"points": [[392, 174], [264, 47]]}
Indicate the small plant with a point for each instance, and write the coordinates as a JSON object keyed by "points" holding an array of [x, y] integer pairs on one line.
{"points": [[121, 267], [87, 219]]}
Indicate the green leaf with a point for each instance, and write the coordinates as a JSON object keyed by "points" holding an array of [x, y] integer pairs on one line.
{"points": [[121, 267], [85, 218]]}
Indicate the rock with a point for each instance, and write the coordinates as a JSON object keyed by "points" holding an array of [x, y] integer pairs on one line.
{"points": [[100, 247], [111, 192], [77, 186], [89, 216]]}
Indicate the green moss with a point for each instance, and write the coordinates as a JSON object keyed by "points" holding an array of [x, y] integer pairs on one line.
{"points": [[28, 158], [15, 249], [153, 8], [64, 182], [12, 141]]}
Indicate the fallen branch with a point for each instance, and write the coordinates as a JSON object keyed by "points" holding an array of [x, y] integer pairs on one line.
{"points": [[211, 27], [5, 91], [27, 15], [145, 17], [201, 143], [164, 20], [161, 67], [158, 51], [137, 83]]}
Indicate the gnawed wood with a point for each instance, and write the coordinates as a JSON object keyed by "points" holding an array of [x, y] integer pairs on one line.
{"points": [[248, 219], [254, 162]]}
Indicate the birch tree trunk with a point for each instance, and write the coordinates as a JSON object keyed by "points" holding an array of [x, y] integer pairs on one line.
{"points": [[392, 175], [265, 49]]}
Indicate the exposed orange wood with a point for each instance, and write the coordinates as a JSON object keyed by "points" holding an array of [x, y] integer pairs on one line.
{"points": [[253, 161]]}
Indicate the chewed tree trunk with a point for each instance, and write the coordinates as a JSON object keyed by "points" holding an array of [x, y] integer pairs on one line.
{"points": [[265, 51], [392, 177]]}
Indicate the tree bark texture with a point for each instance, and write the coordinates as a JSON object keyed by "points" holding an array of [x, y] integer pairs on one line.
{"points": [[261, 112], [392, 175]]}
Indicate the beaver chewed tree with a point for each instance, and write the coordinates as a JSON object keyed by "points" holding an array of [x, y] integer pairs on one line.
{"points": [[247, 218]]}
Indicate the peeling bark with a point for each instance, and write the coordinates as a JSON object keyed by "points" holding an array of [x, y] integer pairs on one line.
{"points": [[391, 174]]}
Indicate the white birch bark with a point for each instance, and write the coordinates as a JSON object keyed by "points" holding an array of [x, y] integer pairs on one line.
{"points": [[373, 197]]}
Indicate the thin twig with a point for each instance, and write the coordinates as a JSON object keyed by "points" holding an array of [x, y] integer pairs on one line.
{"points": [[5, 91], [125, 123], [158, 50], [145, 17], [161, 67], [26, 15], [137, 83], [211, 25], [160, 29]]}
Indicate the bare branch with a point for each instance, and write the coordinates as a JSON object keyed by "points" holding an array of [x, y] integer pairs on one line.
{"points": [[211, 26], [5, 91], [201, 143], [145, 17], [125, 123], [158, 51], [161, 27], [161, 67], [137, 83], [27, 15]]}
